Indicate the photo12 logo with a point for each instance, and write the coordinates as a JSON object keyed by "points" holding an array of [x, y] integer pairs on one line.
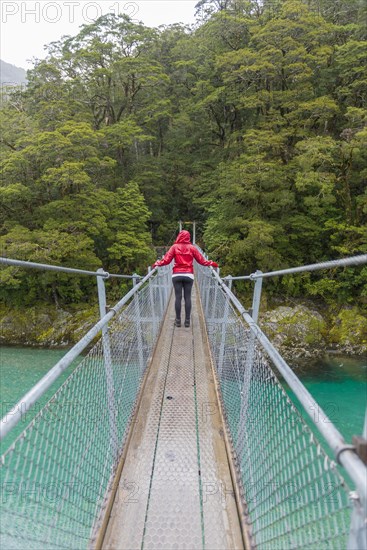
{"points": [[54, 12]]}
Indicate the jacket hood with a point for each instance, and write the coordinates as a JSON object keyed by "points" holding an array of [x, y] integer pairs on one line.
{"points": [[183, 237]]}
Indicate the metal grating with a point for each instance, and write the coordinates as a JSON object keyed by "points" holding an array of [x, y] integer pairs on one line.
{"points": [[57, 475], [294, 494], [177, 457]]}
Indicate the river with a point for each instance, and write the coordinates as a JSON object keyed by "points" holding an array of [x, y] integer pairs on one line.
{"points": [[20, 369], [337, 383]]}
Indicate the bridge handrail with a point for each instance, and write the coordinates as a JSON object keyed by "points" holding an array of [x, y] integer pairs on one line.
{"points": [[344, 453], [353, 260], [50, 267], [11, 419]]}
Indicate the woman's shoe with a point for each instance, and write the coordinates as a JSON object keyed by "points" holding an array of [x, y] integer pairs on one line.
{"points": [[177, 322], [187, 323]]}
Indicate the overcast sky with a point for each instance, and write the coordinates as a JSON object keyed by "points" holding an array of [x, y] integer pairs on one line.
{"points": [[26, 26]]}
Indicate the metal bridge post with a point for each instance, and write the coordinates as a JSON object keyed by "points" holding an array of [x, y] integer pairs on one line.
{"points": [[213, 316], [257, 297], [224, 331], [207, 294], [358, 526], [108, 365], [151, 301], [138, 324], [207, 299], [167, 289], [161, 290], [248, 367]]}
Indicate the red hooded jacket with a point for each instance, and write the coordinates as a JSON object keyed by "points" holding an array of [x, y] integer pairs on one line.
{"points": [[184, 253]]}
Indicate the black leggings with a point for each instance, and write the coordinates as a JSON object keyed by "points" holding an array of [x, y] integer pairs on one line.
{"points": [[182, 284]]}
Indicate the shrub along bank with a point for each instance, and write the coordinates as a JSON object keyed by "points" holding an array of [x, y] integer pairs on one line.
{"points": [[297, 330]]}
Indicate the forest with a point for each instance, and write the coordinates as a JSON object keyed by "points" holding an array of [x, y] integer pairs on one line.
{"points": [[252, 123]]}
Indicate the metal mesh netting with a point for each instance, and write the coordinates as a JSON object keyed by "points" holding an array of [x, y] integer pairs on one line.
{"points": [[293, 493], [57, 475]]}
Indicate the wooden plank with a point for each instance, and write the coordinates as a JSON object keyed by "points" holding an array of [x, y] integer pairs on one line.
{"points": [[176, 487]]}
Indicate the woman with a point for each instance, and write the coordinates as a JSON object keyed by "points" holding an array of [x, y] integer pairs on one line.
{"points": [[184, 253]]}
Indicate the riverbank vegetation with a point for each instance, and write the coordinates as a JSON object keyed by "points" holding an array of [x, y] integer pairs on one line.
{"points": [[252, 123]]}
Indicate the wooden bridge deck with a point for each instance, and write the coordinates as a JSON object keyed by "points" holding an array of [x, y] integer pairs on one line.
{"points": [[175, 489]]}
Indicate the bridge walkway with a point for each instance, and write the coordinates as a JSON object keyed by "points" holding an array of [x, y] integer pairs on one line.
{"points": [[175, 489]]}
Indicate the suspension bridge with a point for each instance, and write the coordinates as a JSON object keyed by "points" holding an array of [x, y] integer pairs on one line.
{"points": [[178, 438]]}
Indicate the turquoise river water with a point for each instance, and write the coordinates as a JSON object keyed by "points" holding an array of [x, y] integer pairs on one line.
{"points": [[338, 384], [20, 369]]}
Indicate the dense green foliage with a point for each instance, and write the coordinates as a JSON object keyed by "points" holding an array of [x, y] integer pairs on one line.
{"points": [[253, 124]]}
